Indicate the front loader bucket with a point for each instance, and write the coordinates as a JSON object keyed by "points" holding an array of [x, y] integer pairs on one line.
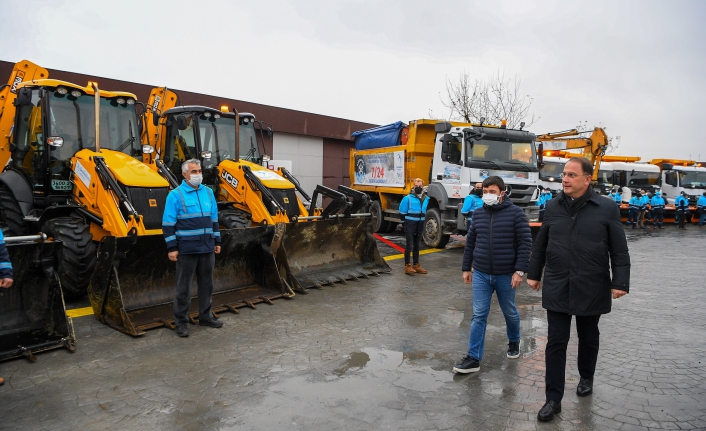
{"points": [[132, 288], [32, 312], [328, 251]]}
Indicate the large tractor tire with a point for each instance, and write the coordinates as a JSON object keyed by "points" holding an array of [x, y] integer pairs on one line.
{"points": [[77, 255], [433, 234], [233, 219], [11, 218], [381, 225]]}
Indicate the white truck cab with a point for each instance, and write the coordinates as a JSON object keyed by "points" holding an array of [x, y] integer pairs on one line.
{"points": [[677, 179]]}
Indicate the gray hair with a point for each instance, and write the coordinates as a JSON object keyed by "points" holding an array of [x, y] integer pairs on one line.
{"points": [[185, 165]]}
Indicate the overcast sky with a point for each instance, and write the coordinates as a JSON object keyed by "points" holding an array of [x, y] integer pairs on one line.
{"points": [[637, 68]]}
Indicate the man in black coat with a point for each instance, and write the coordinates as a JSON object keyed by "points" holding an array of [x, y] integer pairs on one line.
{"points": [[581, 240]]}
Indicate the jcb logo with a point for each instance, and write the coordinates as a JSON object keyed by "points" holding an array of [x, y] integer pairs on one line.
{"points": [[155, 105], [229, 179], [19, 78], [153, 203]]}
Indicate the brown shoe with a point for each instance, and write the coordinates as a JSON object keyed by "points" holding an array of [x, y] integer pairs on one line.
{"points": [[408, 269], [2, 381], [419, 269]]}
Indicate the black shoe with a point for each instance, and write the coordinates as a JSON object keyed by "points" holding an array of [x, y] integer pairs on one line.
{"points": [[213, 323], [467, 365], [513, 350], [585, 387], [182, 330], [547, 412]]}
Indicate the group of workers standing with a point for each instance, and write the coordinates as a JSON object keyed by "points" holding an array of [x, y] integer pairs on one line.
{"points": [[499, 253], [645, 209]]}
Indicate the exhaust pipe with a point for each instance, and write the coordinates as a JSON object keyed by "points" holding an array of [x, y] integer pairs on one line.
{"points": [[97, 97]]}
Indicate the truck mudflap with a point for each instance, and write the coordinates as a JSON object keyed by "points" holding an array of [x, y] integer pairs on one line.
{"points": [[32, 309], [323, 252], [132, 288]]}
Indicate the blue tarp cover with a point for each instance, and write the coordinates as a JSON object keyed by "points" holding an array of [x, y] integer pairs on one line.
{"points": [[378, 137]]}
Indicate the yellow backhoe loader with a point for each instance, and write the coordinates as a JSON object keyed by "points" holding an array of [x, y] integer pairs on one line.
{"points": [[593, 147], [74, 171], [318, 246]]}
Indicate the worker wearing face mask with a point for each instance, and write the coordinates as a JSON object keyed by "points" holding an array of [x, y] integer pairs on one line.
{"points": [[471, 203], [414, 208], [190, 226], [657, 204]]}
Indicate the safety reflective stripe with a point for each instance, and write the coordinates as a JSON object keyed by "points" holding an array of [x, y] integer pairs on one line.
{"points": [[5, 265], [170, 238], [193, 215], [193, 232]]}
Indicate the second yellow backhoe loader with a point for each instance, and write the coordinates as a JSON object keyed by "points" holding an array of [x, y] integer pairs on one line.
{"points": [[593, 147], [320, 245]]}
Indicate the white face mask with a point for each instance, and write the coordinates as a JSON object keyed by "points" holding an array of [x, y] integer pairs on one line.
{"points": [[490, 199], [196, 180]]}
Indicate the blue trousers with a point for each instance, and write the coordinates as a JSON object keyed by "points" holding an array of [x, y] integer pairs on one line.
{"points": [[483, 287]]}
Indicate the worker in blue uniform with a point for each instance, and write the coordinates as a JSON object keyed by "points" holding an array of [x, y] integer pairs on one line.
{"points": [[471, 203], [682, 208], [701, 209], [657, 204], [5, 272], [413, 209], [634, 209]]}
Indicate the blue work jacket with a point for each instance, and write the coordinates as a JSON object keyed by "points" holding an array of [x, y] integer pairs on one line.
{"points": [[5, 264], [414, 208], [657, 202], [681, 203], [701, 203], [190, 220], [635, 203], [470, 204], [616, 197]]}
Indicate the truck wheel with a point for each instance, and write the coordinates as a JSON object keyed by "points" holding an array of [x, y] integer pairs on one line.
{"points": [[380, 225], [232, 219], [77, 255], [11, 217], [433, 234], [392, 227]]}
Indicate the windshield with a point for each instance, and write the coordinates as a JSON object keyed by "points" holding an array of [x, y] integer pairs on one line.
{"points": [[551, 170], [218, 137], [248, 140], [693, 179], [644, 179], [73, 119], [500, 152], [605, 177]]}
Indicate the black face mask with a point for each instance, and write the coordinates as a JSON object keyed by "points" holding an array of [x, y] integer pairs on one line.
{"points": [[478, 192], [418, 190]]}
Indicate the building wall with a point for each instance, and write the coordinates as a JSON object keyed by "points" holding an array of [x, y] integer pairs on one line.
{"points": [[306, 154]]}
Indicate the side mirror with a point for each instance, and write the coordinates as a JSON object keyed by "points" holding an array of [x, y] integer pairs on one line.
{"points": [[181, 122], [446, 146], [269, 133], [24, 97], [540, 154], [206, 155], [443, 127]]}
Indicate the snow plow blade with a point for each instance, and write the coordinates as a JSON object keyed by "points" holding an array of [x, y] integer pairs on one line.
{"points": [[324, 252], [32, 309], [132, 288]]}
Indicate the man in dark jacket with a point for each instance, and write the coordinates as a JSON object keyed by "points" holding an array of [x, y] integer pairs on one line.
{"points": [[580, 242], [496, 257]]}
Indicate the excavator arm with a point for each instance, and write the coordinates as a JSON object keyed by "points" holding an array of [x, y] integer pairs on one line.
{"points": [[594, 146]]}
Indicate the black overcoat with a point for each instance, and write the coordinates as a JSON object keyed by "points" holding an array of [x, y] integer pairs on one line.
{"points": [[578, 254]]}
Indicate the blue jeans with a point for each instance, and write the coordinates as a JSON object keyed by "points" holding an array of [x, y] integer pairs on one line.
{"points": [[702, 219], [483, 287]]}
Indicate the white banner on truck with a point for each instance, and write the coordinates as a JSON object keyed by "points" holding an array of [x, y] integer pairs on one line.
{"points": [[381, 169]]}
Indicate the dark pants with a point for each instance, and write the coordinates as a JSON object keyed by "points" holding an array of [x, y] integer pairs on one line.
{"points": [[412, 246], [559, 328], [187, 266], [659, 216], [682, 219], [632, 217], [541, 215]]}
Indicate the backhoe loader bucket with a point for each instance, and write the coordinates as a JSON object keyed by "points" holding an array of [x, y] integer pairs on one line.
{"points": [[32, 312], [321, 252], [132, 288]]}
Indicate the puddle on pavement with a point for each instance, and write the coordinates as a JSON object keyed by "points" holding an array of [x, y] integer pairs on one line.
{"points": [[366, 381], [450, 318]]}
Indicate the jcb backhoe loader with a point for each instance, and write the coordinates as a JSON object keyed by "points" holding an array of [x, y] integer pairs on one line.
{"points": [[319, 245]]}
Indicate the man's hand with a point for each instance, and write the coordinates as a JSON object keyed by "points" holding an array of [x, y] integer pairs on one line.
{"points": [[467, 277], [5, 282], [534, 284], [516, 280], [618, 293], [173, 255], [217, 249]]}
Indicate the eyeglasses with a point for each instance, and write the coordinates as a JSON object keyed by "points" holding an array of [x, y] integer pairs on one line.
{"points": [[571, 175]]}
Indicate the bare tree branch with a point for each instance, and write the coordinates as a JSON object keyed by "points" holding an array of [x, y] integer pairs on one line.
{"points": [[494, 99]]}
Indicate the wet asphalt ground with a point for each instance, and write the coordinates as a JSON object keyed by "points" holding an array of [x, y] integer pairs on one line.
{"points": [[377, 354]]}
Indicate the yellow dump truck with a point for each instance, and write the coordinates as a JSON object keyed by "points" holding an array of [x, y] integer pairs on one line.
{"points": [[450, 157]]}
